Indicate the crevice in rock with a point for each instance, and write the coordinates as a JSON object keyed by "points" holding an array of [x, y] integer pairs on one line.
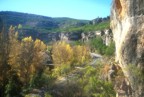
{"points": [[118, 6]]}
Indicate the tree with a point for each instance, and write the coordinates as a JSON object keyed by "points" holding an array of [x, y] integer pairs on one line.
{"points": [[8, 54], [14, 48], [62, 53], [81, 54], [32, 58], [27, 58], [40, 58], [21, 62], [97, 43], [4, 66]]}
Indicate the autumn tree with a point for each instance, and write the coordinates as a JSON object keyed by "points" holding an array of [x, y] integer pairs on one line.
{"points": [[40, 58], [20, 61], [30, 58], [6, 72], [14, 48], [81, 54], [62, 53], [4, 66]]}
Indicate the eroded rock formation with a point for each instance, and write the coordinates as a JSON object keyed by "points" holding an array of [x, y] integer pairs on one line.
{"points": [[127, 23]]}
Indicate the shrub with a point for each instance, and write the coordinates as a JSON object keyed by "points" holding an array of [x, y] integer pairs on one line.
{"points": [[98, 44], [13, 88], [110, 49], [96, 87], [47, 95], [136, 73]]}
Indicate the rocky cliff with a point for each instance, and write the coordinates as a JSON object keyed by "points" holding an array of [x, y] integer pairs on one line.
{"points": [[127, 23]]}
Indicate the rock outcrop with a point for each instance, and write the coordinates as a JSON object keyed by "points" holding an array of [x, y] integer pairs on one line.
{"points": [[127, 23], [99, 20]]}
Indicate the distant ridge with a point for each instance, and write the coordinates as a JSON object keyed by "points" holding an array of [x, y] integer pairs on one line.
{"points": [[26, 19], [44, 27]]}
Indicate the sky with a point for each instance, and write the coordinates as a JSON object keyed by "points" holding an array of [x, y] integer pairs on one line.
{"points": [[78, 9]]}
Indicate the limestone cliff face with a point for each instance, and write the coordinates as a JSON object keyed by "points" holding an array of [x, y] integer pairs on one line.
{"points": [[127, 23]]}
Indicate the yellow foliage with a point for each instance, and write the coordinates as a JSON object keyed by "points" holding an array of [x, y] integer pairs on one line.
{"points": [[62, 53], [27, 39], [81, 54], [26, 57], [39, 45], [14, 48]]}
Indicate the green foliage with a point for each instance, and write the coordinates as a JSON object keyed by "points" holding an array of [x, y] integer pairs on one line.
{"points": [[40, 27], [39, 23], [13, 88], [19, 26], [47, 78], [47, 95], [22, 62], [75, 43], [32, 95], [99, 88], [97, 43], [96, 87], [136, 73], [87, 28], [61, 70], [110, 49], [37, 81], [88, 84]]}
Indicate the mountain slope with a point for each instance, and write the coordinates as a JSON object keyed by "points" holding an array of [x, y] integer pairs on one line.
{"points": [[47, 28], [41, 23]]}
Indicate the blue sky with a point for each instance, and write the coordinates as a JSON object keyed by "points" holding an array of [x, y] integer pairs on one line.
{"points": [[79, 9]]}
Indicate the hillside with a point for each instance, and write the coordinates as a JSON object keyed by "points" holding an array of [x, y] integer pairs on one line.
{"points": [[42, 23], [45, 28]]}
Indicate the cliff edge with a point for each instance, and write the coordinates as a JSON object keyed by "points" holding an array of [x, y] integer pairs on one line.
{"points": [[127, 24]]}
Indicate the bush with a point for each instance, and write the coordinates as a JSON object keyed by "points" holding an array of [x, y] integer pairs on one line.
{"points": [[110, 49], [47, 95], [13, 88], [99, 88], [78, 42], [136, 73], [95, 87], [97, 43]]}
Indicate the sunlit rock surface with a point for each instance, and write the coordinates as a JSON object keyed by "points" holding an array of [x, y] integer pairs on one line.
{"points": [[127, 23]]}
